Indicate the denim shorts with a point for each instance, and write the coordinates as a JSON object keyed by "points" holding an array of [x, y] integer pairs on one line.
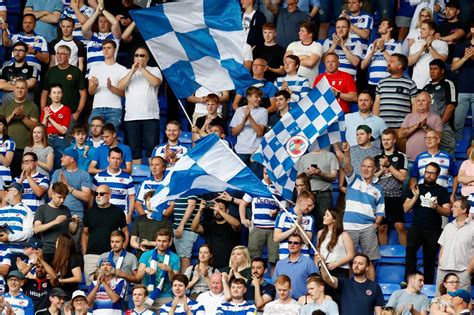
{"points": [[184, 245]]}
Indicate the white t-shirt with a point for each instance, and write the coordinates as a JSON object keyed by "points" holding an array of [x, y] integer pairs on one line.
{"points": [[141, 99], [277, 308], [299, 49], [201, 108], [421, 70], [246, 19], [247, 54], [210, 301], [247, 140], [103, 97]]}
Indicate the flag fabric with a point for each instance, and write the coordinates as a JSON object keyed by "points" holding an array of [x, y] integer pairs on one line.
{"points": [[316, 121], [208, 167], [196, 43]]}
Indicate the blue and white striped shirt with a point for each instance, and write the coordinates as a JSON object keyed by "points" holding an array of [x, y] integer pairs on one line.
{"points": [[298, 85], [21, 304], [68, 11], [363, 202], [344, 64], [121, 187], [443, 159], [229, 308], [283, 222], [262, 208], [4, 261], [29, 197], [2, 6], [378, 64], [36, 41], [103, 304], [7, 145], [20, 219], [94, 48], [194, 307], [364, 21], [146, 186]]}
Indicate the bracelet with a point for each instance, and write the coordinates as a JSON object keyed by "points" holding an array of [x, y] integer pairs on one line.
{"points": [[71, 190]]}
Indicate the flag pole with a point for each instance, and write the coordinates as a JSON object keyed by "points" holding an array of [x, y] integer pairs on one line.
{"points": [[185, 113], [303, 235]]}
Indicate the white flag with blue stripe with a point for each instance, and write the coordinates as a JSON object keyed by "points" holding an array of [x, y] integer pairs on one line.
{"points": [[210, 166], [196, 43], [316, 121]]}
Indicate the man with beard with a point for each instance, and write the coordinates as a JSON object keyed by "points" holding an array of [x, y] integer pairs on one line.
{"points": [[359, 295], [411, 299], [429, 202], [260, 292], [222, 233], [18, 69], [452, 30]]}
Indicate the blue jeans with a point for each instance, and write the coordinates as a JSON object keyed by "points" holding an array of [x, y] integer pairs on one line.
{"points": [[111, 115], [142, 134], [329, 10], [465, 100], [255, 167]]}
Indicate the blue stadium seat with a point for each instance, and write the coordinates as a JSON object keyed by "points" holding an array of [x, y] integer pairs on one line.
{"points": [[140, 170], [429, 290], [390, 273], [393, 237], [186, 138], [392, 254], [388, 289]]}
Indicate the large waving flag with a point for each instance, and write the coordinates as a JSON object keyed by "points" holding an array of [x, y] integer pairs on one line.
{"points": [[196, 43], [316, 121], [208, 167]]}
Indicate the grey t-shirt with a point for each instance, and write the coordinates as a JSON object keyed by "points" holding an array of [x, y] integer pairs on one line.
{"points": [[129, 264], [46, 214], [328, 306], [326, 162], [401, 298], [358, 154]]}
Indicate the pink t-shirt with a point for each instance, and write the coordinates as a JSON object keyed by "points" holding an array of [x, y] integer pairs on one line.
{"points": [[416, 142], [468, 167]]}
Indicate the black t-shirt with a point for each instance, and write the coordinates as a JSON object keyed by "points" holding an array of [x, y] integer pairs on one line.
{"points": [[466, 71], [359, 298], [446, 29], [442, 94], [101, 222], [25, 72], [74, 262], [265, 289], [38, 290], [46, 214], [274, 57], [222, 239], [426, 217], [145, 229], [216, 121]]}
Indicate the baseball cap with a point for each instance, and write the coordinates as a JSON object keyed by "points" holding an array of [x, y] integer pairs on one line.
{"points": [[34, 242], [453, 4], [78, 293], [57, 292], [463, 294], [71, 152], [16, 273], [367, 129], [103, 260], [17, 186]]}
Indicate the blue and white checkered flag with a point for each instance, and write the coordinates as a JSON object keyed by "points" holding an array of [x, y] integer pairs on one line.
{"points": [[210, 166], [196, 43], [316, 121]]}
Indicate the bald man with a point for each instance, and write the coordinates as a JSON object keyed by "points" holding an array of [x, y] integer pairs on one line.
{"points": [[417, 124], [99, 222], [212, 299]]}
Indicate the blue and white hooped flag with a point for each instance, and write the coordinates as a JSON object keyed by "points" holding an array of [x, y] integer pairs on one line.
{"points": [[196, 43], [316, 121], [208, 167]]}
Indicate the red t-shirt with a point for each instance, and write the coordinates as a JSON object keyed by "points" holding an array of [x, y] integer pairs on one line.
{"points": [[62, 116], [342, 82]]}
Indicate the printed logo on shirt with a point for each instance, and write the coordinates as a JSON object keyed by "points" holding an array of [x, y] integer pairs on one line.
{"points": [[69, 77], [368, 292]]}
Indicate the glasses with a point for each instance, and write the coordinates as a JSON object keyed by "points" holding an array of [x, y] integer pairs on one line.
{"points": [[140, 55], [294, 243], [27, 161], [19, 50], [453, 282], [101, 193]]}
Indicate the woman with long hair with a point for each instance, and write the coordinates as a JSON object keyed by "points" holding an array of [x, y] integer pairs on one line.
{"points": [[425, 15], [199, 274], [336, 247], [39, 145], [239, 264], [466, 174], [67, 264], [7, 150], [441, 305]]}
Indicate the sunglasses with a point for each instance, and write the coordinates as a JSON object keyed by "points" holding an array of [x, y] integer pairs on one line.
{"points": [[140, 55], [294, 243], [101, 193]]}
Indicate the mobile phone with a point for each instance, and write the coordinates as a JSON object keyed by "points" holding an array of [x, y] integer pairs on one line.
{"points": [[314, 165], [209, 204]]}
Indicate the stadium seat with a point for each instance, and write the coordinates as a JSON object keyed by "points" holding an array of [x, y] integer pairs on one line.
{"points": [[429, 290], [186, 138], [390, 273], [392, 254], [388, 289], [393, 237], [140, 170]]}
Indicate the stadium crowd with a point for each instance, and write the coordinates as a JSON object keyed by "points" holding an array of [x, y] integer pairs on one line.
{"points": [[80, 118]]}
